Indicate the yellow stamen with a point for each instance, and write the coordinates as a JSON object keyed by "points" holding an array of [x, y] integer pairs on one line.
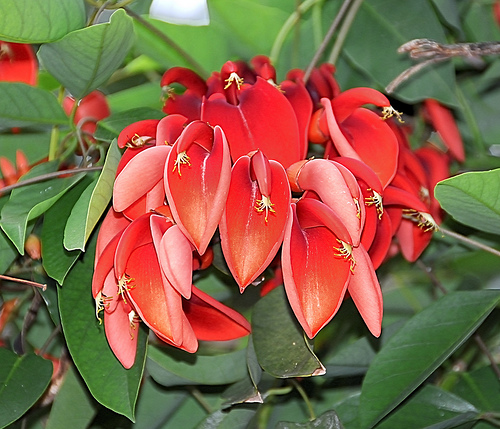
{"points": [[377, 200], [182, 159], [345, 251], [124, 285], [389, 112], [233, 77], [266, 205], [133, 320], [138, 141], [101, 302], [423, 220]]}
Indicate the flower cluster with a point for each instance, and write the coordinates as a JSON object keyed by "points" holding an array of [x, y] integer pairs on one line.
{"points": [[233, 155]]}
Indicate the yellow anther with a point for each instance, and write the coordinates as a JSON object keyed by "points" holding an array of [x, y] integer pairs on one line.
{"points": [[138, 141], [345, 251], [377, 200], [101, 302], [233, 77], [423, 220], [124, 285], [133, 319], [266, 205], [389, 112], [182, 159]]}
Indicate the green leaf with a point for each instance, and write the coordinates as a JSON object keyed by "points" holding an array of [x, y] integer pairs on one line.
{"points": [[22, 104], [56, 260], [33, 21], [418, 348], [112, 385], [279, 341], [380, 27], [328, 420], [352, 360], [472, 198], [236, 418], [109, 128], [172, 367], [7, 250], [23, 379], [145, 96], [34, 145], [481, 388], [31, 201], [92, 203], [434, 407], [86, 58], [73, 405]]}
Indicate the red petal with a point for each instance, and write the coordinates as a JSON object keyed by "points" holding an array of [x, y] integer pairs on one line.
{"points": [[18, 63], [364, 289], [315, 277], [169, 129], [145, 128], [382, 241], [249, 242], [112, 224], [348, 101], [213, 321]]}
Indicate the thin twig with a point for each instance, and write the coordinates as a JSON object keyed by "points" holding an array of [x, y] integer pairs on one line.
{"points": [[52, 335], [47, 176], [23, 281], [468, 241], [343, 31], [188, 58], [435, 52], [327, 38]]}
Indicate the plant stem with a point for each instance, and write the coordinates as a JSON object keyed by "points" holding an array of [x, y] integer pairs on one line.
{"points": [[199, 397], [23, 281], [343, 31], [54, 134], [302, 392], [48, 176], [329, 34], [188, 58], [469, 241]]}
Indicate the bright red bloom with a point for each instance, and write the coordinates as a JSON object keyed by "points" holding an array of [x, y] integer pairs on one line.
{"points": [[91, 108], [18, 63]]}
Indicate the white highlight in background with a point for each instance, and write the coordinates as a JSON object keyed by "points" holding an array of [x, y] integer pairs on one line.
{"points": [[188, 12]]}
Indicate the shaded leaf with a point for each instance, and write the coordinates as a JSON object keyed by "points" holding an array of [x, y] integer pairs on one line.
{"points": [[112, 385], [33, 21], [109, 128], [73, 405], [418, 348], [31, 201], [472, 198], [23, 379], [328, 420], [236, 418], [434, 407], [172, 367], [56, 260], [8, 251], [381, 26], [86, 58], [22, 104], [481, 388], [92, 203], [279, 341], [34, 145], [350, 361]]}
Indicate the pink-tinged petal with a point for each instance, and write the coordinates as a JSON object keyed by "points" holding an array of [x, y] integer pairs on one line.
{"points": [[263, 119], [169, 129], [315, 273], [176, 260], [153, 199], [394, 196], [121, 334], [296, 93], [139, 176], [348, 101], [364, 290], [444, 123], [188, 342], [253, 223], [412, 239], [145, 130], [324, 177], [197, 182], [381, 244], [156, 302], [109, 293], [213, 321], [113, 224], [374, 142], [362, 171]]}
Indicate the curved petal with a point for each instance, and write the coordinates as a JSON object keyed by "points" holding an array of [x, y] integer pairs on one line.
{"points": [[315, 274], [197, 183], [213, 321], [144, 129], [169, 129], [113, 224], [253, 224], [348, 101], [364, 290]]}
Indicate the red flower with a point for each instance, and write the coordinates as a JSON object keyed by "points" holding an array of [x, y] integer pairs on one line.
{"points": [[18, 63]]}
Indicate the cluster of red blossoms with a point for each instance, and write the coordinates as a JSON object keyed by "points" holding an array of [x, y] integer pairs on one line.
{"points": [[233, 155]]}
